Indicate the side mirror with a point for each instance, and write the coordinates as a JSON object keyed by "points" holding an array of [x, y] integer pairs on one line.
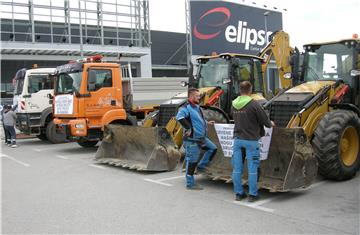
{"points": [[184, 83], [49, 96], [226, 80], [354, 73], [91, 80]]}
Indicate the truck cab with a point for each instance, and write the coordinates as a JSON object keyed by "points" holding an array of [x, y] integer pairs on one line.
{"points": [[90, 94], [33, 89]]}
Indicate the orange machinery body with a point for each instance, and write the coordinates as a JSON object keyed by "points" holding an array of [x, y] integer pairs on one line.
{"points": [[92, 110]]}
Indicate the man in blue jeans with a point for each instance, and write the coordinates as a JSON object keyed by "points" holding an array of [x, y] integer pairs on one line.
{"points": [[195, 130], [250, 119]]}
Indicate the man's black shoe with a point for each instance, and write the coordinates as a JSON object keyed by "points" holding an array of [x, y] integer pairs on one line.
{"points": [[239, 197], [252, 198], [194, 187]]}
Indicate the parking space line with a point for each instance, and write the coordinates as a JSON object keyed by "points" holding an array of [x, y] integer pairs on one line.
{"points": [[171, 178], [15, 160], [255, 205], [157, 182], [97, 166], [62, 157], [55, 146]]}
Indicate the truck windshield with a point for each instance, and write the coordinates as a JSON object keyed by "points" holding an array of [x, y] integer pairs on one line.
{"points": [[19, 84], [328, 62], [68, 83], [39, 82]]}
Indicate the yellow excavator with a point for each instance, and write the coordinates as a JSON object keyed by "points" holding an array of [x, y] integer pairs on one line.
{"points": [[326, 105], [151, 146]]}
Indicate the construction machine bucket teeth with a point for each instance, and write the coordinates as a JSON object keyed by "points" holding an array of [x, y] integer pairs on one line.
{"points": [[290, 164], [140, 148]]}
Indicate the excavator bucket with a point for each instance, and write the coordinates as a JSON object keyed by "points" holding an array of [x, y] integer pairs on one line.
{"points": [[140, 148], [290, 164]]}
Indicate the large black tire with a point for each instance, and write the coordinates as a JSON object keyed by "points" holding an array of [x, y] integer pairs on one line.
{"points": [[336, 145], [214, 115], [52, 135], [42, 136], [87, 143]]}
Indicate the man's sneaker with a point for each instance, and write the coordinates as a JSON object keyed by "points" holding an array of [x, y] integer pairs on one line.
{"points": [[194, 187], [253, 198], [239, 197], [13, 146]]}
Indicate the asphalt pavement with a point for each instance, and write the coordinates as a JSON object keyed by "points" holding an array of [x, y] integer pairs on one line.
{"points": [[59, 189]]}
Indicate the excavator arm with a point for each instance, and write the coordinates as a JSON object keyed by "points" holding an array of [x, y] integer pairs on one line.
{"points": [[279, 49]]}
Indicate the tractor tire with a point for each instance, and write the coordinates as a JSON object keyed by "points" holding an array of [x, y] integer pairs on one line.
{"points": [[87, 143], [214, 115], [336, 145], [52, 135]]}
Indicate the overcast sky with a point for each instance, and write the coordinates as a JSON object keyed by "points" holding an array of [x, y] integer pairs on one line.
{"points": [[306, 21]]}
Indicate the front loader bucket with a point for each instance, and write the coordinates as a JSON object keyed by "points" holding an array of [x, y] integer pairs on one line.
{"points": [[290, 165], [140, 148]]}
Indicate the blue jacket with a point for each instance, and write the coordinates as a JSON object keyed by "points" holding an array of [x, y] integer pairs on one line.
{"points": [[193, 116]]}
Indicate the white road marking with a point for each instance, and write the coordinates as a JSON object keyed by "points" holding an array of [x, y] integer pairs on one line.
{"points": [[255, 205], [158, 182], [97, 166], [62, 157], [15, 160], [171, 178], [55, 146]]}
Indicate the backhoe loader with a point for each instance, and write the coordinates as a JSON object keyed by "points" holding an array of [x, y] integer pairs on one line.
{"points": [[326, 106], [218, 79]]}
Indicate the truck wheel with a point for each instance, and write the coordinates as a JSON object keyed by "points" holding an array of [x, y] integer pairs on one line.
{"points": [[87, 143], [336, 144], [52, 136], [42, 136]]}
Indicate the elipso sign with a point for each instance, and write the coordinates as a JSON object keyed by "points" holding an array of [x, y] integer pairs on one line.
{"points": [[228, 27]]}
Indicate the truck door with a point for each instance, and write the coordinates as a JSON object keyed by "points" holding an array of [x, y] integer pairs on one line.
{"points": [[101, 97], [39, 86]]}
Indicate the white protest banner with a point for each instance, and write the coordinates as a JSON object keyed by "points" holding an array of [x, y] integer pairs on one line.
{"points": [[264, 143], [225, 136], [64, 104]]}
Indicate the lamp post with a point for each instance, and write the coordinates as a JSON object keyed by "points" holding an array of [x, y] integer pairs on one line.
{"points": [[266, 13], [80, 30]]}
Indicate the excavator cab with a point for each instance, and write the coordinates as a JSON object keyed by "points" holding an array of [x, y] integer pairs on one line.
{"points": [[226, 71]]}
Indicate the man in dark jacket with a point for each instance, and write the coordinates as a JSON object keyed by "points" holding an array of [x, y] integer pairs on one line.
{"points": [[9, 124], [195, 137], [250, 119]]}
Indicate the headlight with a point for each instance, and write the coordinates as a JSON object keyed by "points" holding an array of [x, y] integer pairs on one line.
{"points": [[79, 126]]}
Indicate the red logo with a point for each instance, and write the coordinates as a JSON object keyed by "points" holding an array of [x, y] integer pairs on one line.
{"points": [[216, 26]]}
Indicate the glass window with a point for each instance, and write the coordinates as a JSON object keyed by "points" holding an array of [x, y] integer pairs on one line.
{"points": [[329, 62], [19, 84], [103, 79], [39, 82], [68, 83]]}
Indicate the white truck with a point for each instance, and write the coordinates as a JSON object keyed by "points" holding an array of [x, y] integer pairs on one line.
{"points": [[33, 93]]}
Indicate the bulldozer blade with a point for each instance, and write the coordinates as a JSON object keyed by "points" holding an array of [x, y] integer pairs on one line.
{"points": [[290, 164], [140, 148]]}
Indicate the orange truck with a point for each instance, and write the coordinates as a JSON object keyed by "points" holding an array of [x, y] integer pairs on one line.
{"points": [[90, 94]]}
